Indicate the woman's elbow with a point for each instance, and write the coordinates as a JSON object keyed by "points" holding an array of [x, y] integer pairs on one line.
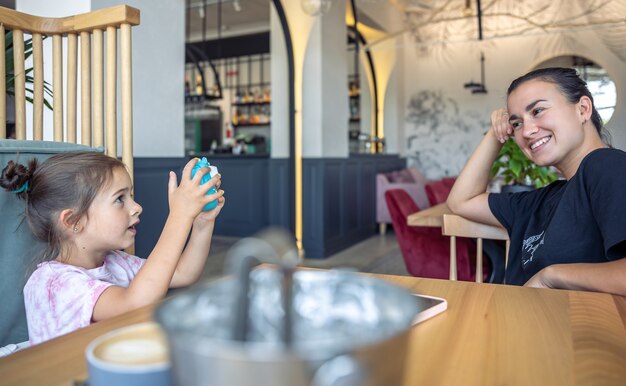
{"points": [[454, 204]]}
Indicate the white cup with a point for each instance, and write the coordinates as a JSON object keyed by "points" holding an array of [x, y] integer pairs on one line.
{"points": [[136, 355]]}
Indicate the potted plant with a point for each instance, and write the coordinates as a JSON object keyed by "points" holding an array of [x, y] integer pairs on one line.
{"points": [[519, 172]]}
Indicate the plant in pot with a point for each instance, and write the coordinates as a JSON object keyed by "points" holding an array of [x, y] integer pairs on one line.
{"points": [[520, 173]]}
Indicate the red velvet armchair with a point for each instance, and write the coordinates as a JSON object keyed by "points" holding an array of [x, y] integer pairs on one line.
{"points": [[438, 191], [426, 252]]}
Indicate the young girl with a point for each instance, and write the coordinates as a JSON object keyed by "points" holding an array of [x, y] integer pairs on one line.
{"points": [[572, 233], [81, 205]]}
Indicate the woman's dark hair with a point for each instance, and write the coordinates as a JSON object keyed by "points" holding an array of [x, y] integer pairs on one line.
{"points": [[571, 86], [67, 180]]}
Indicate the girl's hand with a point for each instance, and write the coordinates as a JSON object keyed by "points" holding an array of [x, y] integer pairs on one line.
{"points": [[206, 217], [188, 198], [500, 125]]}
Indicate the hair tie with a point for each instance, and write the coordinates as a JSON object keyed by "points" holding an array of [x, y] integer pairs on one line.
{"points": [[22, 188]]}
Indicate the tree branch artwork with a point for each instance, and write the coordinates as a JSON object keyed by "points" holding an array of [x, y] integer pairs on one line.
{"points": [[441, 22]]}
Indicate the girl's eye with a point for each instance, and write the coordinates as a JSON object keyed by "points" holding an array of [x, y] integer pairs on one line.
{"points": [[119, 200], [537, 110], [516, 124]]}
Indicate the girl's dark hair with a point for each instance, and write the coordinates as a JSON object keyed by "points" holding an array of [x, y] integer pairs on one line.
{"points": [[64, 181], [571, 85]]}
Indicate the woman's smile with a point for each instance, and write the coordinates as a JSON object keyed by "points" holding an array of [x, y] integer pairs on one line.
{"points": [[538, 144]]}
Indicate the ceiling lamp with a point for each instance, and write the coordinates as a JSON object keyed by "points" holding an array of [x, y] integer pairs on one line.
{"points": [[478, 88], [315, 7]]}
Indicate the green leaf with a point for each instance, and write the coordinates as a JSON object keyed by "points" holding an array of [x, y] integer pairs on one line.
{"points": [[513, 165], [516, 167]]}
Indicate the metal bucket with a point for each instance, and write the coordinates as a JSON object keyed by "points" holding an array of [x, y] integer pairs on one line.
{"points": [[347, 329]]}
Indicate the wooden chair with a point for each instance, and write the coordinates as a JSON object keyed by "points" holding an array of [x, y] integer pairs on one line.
{"points": [[92, 28], [457, 226], [424, 249], [98, 111]]}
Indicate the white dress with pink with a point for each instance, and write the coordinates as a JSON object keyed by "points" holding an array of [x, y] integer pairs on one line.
{"points": [[60, 298]]}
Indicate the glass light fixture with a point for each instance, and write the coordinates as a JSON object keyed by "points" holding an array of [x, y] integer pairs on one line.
{"points": [[315, 7]]}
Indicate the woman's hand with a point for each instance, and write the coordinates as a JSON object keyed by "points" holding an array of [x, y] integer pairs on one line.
{"points": [[543, 279], [500, 125]]}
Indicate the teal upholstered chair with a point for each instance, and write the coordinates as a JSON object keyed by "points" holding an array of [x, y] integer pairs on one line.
{"points": [[18, 247], [97, 125]]}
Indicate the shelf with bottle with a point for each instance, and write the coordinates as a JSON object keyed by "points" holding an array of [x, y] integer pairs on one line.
{"points": [[251, 108], [251, 115], [252, 97]]}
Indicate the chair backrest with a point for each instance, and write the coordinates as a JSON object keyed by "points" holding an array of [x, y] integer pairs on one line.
{"points": [[98, 106], [18, 246], [98, 123], [457, 226], [424, 249]]}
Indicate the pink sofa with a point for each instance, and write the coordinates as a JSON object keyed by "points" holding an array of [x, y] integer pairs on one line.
{"points": [[409, 180]]}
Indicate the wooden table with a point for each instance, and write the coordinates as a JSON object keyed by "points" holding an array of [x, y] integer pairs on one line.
{"points": [[429, 217], [490, 335], [433, 217]]}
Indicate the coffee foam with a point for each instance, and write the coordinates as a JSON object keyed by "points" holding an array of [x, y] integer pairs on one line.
{"points": [[144, 344]]}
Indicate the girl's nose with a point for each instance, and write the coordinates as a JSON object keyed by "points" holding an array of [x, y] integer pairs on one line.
{"points": [[137, 209]]}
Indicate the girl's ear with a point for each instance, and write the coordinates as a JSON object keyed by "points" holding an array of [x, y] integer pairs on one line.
{"points": [[68, 221]]}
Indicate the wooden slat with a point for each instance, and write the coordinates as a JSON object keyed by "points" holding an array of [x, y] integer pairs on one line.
{"points": [[98, 89], [85, 88], [57, 86], [19, 84], [72, 63], [453, 270], [127, 97], [3, 86], [479, 260], [101, 19], [111, 93], [37, 87]]}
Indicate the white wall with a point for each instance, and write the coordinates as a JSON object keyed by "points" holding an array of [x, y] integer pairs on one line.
{"points": [[325, 87], [158, 67], [158, 76], [280, 89]]}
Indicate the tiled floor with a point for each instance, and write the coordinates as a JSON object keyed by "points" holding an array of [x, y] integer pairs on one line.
{"points": [[378, 254]]}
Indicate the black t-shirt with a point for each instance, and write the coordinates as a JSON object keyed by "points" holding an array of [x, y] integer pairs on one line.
{"points": [[582, 220]]}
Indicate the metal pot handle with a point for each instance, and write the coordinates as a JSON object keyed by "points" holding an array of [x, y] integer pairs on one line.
{"points": [[341, 370]]}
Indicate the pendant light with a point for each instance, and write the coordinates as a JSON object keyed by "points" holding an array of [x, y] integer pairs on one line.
{"points": [[315, 7]]}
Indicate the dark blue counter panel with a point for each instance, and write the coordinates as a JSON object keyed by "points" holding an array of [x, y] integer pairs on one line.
{"points": [[151, 177], [339, 200], [339, 207]]}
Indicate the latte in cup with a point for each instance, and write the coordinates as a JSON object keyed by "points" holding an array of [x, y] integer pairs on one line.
{"points": [[143, 344], [136, 355]]}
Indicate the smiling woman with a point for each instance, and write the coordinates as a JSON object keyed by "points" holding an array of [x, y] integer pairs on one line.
{"points": [[569, 233]]}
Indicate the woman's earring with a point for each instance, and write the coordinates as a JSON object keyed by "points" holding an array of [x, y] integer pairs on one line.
{"points": [[75, 229]]}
